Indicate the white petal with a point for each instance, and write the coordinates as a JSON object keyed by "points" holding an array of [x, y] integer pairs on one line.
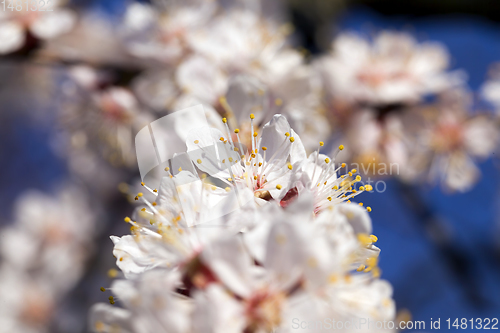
{"points": [[11, 37], [53, 24]]}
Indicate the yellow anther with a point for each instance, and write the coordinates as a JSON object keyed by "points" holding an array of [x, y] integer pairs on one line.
{"points": [[230, 179], [237, 130], [358, 178], [140, 194], [354, 170], [111, 300], [348, 201], [143, 210], [253, 155], [196, 142], [127, 219], [290, 166], [371, 261], [103, 289], [252, 116], [360, 268], [350, 174], [361, 204], [368, 187], [112, 273], [343, 165], [99, 326], [374, 238], [214, 188], [199, 161], [278, 187], [155, 190], [333, 278], [142, 184], [230, 159], [264, 148], [255, 177], [278, 101], [368, 209], [224, 161], [228, 189], [221, 138], [361, 188], [255, 134], [235, 149], [368, 269], [167, 168], [292, 139], [341, 147], [335, 187], [180, 169], [327, 160], [154, 203], [260, 163], [224, 120], [321, 143], [287, 134], [364, 239], [329, 198]]}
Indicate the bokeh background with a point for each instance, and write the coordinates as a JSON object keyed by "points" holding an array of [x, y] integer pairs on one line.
{"points": [[440, 251]]}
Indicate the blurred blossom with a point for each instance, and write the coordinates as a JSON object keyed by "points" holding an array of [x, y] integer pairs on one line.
{"points": [[43, 255], [160, 34], [101, 116], [21, 27], [194, 263], [93, 41], [235, 54], [392, 69], [490, 90], [449, 139], [377, 145]]}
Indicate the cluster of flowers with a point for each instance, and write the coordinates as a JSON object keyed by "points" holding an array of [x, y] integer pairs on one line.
{"points": [[236, 238], [371, 93], [393, 101], [245, 239], [42, 257]]}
